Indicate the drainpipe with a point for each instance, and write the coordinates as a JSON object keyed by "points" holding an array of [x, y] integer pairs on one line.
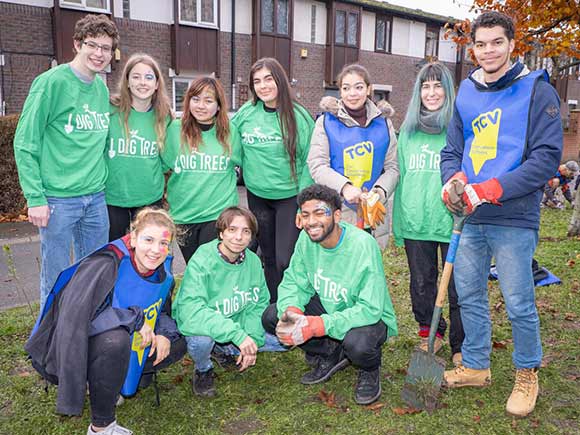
{"points": [[233, 54]]}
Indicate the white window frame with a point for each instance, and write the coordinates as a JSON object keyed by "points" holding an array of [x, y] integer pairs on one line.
{"points": [[187, 80], [83, 6], [199, 23]]}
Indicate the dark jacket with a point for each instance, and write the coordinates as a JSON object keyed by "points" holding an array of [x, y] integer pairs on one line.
{"points": [[522, 187], [59, 348]]}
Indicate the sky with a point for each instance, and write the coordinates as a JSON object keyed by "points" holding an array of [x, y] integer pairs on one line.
{"points": [[453, 8]]}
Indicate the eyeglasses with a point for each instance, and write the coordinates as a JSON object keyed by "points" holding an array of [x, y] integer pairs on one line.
{"points": [[93, 46]]}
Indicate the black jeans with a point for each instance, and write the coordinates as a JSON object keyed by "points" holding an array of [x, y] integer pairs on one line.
{"points": [[120, 218], [193, 236], [422, 257], [362, 346], [108, 361], [277, 235]]}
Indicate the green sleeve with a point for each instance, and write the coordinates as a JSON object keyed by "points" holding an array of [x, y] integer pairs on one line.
{"points": [[295, 290], [28, 144], [397, 202], [305, 125], [253, 315], [193, 314], [369, 306], [236, 144]]}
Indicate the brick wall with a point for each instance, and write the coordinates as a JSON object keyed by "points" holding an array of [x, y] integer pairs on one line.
{"points": [[243, 65], [28, 50], [309, 75]]}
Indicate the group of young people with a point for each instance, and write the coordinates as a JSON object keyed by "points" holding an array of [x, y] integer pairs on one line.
{"points": [[93, 173]]}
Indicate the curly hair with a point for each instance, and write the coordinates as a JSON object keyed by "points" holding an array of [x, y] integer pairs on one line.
{"points": [[96, 25], [492, 19], [321, 193]]}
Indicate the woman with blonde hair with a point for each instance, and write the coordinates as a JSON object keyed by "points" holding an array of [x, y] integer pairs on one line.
{"points": [[201, 150], [140, 114]]}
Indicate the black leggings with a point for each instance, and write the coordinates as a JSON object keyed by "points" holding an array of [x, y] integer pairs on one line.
{"points": [[108, 361], [120, 218], [277, 235], [193, 236], [422, 258], [362, 346]]}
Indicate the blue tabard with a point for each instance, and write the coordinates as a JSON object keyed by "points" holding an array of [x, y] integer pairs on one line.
{"points": [[130, 290], [495, 126], [358, 153]]}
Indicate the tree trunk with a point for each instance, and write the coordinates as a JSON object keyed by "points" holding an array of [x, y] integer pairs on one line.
{"points": [[574, 228]]}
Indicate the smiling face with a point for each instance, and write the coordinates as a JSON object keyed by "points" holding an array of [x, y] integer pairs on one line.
{"points": [[354, 91], [319, 221], [235, 238], [151, 245], [265, 87], [204, 106], [93, 54], [493, 49], [142, 82], [432, 95]]}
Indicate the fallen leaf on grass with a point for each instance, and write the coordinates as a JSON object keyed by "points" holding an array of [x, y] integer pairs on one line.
{"points": [[476, 418], [479, 403], [571, 263], [497, 307], [186, 362], [570, 316], [178, 379], [535, 423], [329, 399], [572, 377], [549, 358], [405, 411], [402, 371], [502, 344], [375, 406]]}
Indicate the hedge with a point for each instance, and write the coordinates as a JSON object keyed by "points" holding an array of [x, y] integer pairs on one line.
{"points": [[11, 199]]}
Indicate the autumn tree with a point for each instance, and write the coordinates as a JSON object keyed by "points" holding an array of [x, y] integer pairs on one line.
{"points": [[544, 29]]}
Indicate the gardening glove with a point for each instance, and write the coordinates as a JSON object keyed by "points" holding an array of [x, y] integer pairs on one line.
{"points": [[452, 193], [478, 193], [373, 209], [294, 329]]}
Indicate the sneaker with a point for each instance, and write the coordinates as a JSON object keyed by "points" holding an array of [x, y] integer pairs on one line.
{"points": [[462, 376], [112, 429], [311, 360], [120, 400], [523, 398], [436, 346], [368, 386], [225, 361], [325, 368], [457, 359], [203, 384]]}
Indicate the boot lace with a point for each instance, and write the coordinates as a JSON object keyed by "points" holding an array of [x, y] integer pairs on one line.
{"points": [[525, 379]]}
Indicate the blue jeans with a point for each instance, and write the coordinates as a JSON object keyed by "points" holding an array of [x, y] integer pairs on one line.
{"points": [[81, 221], [513, 249], [200, 347]]}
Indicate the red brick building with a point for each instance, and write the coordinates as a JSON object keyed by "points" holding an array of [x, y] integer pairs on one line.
{"points": [[312, 39]]}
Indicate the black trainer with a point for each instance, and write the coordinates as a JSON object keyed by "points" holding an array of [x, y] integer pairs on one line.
{"points": [[203, 384], [368, 386], [225, 361], [324, 368]]}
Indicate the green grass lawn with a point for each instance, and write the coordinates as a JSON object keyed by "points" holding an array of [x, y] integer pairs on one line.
{"points": [[269, 399]]}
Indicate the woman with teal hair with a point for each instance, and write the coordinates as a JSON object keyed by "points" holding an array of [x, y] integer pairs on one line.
{"points": [[420, 220]]}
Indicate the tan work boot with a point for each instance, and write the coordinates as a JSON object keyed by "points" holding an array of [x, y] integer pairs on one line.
{"points": [[437, 345], [462, 376], [523, 398], [457, 359]]}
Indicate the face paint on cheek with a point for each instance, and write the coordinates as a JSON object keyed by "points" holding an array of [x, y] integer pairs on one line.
{"points": [[324, 207], [164, 249]]}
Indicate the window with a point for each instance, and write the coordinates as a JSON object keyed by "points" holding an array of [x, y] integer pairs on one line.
{"points": [[431, 41], [88, 5], [346, 28], [126, 9], [313, 25], [383, 34], [274, 16], [180, 86], [198, 12]]}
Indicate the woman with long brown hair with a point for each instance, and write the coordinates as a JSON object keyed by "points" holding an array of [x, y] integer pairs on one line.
{"points": [[140, 114], [201, 151], [275, 133]]}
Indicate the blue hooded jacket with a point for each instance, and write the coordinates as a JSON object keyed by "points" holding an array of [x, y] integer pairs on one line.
{"points": [[522, 187]]}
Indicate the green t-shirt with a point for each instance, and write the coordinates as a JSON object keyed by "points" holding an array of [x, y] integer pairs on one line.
{"points": [[61, 135], [135, 176], [265, 162], [222, 300], [349, 279], [418, 211], [202, 183]]}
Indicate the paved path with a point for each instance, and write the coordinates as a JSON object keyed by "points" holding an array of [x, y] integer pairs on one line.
{"points": [[20, 261]]}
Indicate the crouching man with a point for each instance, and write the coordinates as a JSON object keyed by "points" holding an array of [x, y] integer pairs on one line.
{"points": [[333, 301]]}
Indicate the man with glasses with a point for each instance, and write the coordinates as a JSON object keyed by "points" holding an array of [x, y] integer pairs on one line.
{"points": [[59, 146]]}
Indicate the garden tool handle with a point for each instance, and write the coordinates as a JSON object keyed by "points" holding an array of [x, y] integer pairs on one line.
{"points": [[458, 222]]}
